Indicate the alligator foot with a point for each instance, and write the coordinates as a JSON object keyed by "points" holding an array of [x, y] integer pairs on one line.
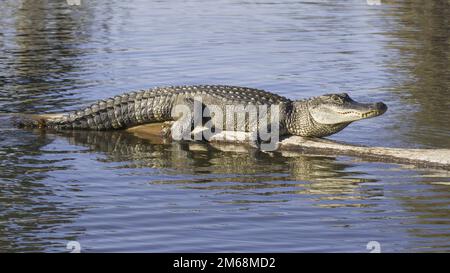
{"points": [[166, 129]]}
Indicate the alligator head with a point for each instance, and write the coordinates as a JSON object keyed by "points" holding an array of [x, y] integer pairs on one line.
{"points": [[328, 114]]}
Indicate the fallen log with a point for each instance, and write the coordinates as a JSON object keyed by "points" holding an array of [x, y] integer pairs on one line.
{"points": [[431, 158]]}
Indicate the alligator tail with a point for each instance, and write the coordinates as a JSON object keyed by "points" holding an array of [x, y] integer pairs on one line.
{"points": [[119, 112], [34, 121]]}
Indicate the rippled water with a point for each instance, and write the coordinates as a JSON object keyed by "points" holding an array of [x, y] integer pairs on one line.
{"points": [[112, 191]]}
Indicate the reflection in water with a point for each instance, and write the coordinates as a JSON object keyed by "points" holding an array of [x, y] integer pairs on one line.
{"points": [[44, 58], [234, 167], [227, 175], [45, 47], [433, 214], [31, 214], [421, 36]]}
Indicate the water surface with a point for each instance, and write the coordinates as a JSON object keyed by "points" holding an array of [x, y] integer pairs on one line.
{"points": [[112, 191]]}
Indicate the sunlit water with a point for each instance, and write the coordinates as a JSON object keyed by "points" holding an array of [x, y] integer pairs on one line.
{"points": [[115, 192]]}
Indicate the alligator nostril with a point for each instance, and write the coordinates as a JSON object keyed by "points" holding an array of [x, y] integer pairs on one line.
{"points": [[381, 106]]}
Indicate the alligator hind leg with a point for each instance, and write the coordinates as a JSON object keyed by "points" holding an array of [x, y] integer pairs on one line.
{"points": [[166, 129]]}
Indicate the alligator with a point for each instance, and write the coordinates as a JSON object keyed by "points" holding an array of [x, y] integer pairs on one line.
{"points": [[313, 117]]}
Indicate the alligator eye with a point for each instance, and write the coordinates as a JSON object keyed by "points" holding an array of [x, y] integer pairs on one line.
{"points": [[337, 98]]}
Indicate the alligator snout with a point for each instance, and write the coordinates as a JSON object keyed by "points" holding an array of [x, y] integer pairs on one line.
{"points": [[380, 106], [374, 110]]}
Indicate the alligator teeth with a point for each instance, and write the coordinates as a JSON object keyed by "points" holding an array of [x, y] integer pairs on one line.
{"points": [[371, 113]]}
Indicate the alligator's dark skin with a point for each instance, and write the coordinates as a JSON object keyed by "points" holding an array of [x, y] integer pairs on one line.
{"points": [[156, 105]]}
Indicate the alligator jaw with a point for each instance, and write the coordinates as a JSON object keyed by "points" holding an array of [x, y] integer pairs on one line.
{"points": [[375, 110], [363, 111], [340, 108], [370, 114]]}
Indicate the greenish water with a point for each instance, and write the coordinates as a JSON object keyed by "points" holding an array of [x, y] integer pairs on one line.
{"points": [[112, 191]]}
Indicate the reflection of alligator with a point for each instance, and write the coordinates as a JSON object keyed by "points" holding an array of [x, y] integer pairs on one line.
{"points": [[240, 166], [316, 117]]}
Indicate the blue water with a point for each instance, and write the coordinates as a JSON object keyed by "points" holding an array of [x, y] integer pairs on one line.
{"points": [[115, 192]]}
